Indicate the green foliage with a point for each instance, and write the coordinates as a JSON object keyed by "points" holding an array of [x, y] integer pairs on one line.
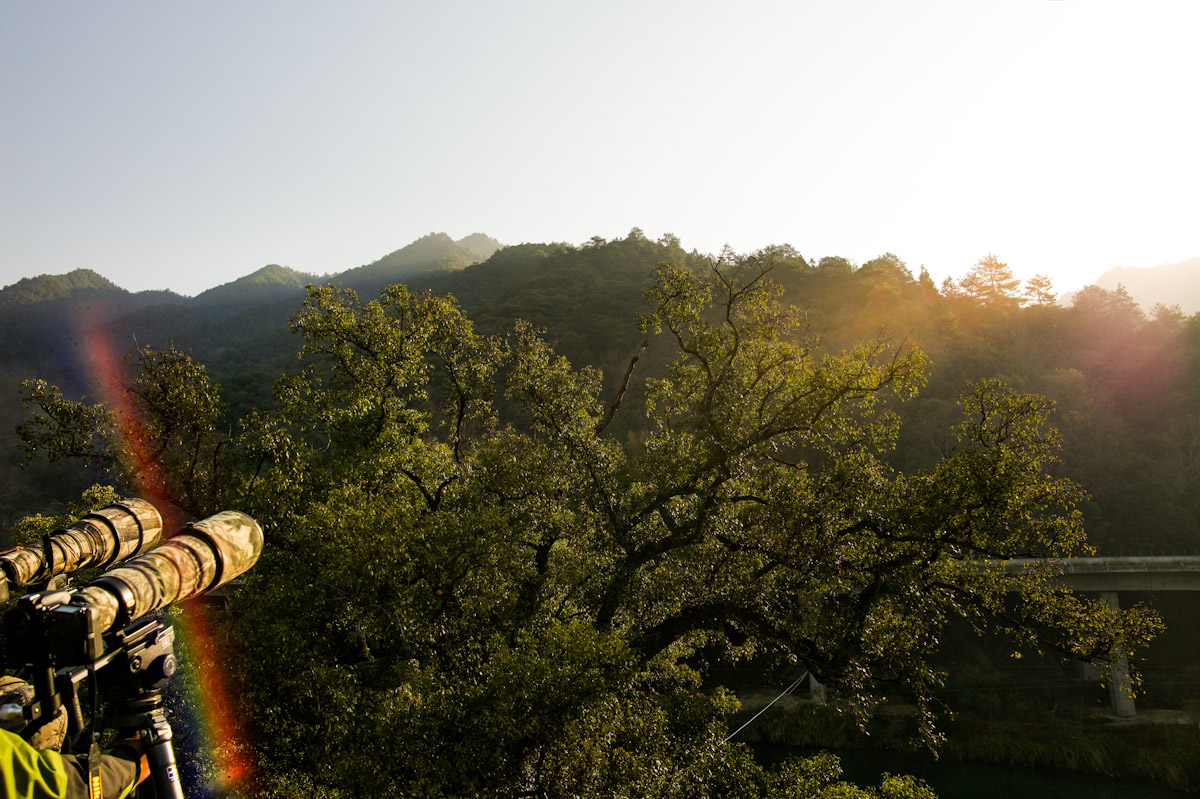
{"points": [[991, 282], [163, 441], [1125, 418], [465, 561], [66, 429], [29, 530]]}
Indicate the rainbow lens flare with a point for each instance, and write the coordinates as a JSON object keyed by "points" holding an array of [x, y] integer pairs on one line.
{"points": [[212, 746]]}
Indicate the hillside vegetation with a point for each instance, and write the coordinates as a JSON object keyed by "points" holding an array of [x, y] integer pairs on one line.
{"points": [[1124, 382], [532, 571]]}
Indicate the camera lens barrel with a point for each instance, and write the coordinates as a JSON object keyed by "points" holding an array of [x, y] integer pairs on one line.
{"points": [[200, 557], [119, 531]]}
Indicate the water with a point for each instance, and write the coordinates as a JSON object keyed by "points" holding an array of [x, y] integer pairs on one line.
{"points": [[952, 780]]}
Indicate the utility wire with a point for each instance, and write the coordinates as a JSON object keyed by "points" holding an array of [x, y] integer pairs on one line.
{"points": [[786, 691]]}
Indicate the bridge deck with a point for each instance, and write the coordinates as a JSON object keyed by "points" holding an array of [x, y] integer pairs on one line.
{"points": [[1164, 573]]}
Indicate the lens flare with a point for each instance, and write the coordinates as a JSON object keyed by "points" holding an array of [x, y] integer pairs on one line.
{"points": [[215, 752]]}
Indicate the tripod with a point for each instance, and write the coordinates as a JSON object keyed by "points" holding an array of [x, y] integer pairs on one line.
{"points": [[143, 718], [137, 665]]}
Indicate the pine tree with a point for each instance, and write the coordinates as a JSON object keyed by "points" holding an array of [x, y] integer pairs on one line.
{"points": [[991, 282]]}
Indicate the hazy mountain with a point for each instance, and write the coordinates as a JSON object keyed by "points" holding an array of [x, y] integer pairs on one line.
{"points": [[51, 313], [436, 252], [81, 285], [271, 283], [44, 319], [483, 245], [1169, 284], [43, 288]]}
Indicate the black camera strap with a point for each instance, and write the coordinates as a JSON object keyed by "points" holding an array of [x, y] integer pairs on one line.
{"points": [[47, 559], [95, 783]]}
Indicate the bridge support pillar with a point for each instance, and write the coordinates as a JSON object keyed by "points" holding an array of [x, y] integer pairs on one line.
{"points": [[1120, 689], [816, 690]]}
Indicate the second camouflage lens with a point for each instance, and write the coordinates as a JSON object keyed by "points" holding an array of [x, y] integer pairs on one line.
{"points": [[119, 531]]}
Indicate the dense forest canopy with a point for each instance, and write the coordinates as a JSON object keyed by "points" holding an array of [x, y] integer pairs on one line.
{"points": [[515, 556]]}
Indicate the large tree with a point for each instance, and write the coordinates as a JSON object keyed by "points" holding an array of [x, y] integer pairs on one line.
{"points": [[471, 587], [991, 282], [1039, 290]]}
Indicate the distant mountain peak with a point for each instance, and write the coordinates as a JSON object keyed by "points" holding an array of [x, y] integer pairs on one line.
{"points": [[1168, 284], [271, 282], [481, 244], [53, 287], [433, 252], [274, 273]]}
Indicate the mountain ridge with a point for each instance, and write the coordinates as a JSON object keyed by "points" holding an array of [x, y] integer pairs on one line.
{"points": [[1165, 284], [436, 253], [432, 252], [42, 288], [271, 282]]}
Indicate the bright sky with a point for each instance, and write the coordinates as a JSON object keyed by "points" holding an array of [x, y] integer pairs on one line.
{"points": [[182, 145]]}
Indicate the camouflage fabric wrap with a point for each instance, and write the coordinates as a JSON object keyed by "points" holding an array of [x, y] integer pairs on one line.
{"points": [[114, 533], [50, 735], [198, 558]]}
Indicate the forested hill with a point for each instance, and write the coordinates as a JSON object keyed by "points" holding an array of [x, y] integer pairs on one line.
{"points": [[1124, 380], [30, 290], [269, 284], [42, 318], [239, 329], [435, 252]]}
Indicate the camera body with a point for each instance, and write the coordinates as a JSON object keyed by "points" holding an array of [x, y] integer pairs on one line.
{"points": [[103, 633]]}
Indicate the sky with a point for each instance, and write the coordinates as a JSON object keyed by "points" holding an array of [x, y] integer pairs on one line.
{"points": [[183, 145]]}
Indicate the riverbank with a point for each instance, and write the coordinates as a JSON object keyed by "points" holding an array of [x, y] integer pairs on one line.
{"points": [[973, 780], [1161, 748]]}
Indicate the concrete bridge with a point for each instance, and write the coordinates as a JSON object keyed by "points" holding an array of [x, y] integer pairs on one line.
{"points": [[1105, 574], [1109, 575]]}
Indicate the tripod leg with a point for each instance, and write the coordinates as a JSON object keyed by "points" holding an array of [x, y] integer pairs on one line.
{"points": [[164, 774], [155, 734]]}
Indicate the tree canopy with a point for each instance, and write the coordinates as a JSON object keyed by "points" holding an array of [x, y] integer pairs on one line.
{"points": [[991, 282], [473, 586]]}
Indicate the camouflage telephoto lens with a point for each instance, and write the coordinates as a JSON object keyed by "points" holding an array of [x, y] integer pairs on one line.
{"points": [[199, 558], [121, 530]]}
